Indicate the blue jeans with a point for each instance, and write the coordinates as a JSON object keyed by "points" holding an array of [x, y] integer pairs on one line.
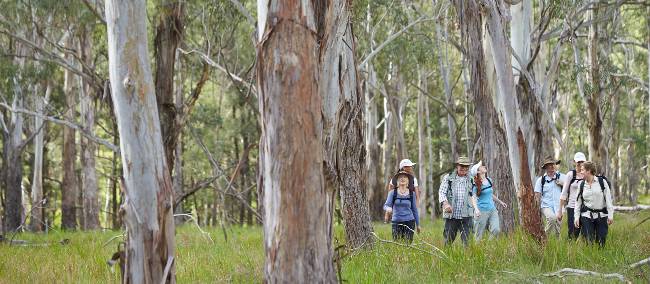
{"points": [[488, 219]]}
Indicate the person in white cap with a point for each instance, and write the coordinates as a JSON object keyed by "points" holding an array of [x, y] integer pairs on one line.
{"points": [[406, 165], [547, 193], [489, 217], [569, 193]]}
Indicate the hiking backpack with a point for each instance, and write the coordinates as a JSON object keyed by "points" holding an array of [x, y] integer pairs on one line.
{"points": [[411, 187], [601, 182]]}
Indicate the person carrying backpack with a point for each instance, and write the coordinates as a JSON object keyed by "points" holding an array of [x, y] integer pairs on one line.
{"points": [[569, 193], [406, 165], [548, 189], [402, 205], [458, 202], [489, 217], [594, 202]]}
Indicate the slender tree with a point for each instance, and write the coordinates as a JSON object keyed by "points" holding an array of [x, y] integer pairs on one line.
{"points": [[150, 248]]}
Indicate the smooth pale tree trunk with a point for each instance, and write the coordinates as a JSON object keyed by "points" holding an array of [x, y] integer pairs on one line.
{"points": [[298, 207], [507, 104], [343, 103], [597, 152], [430, 164], [373, 151], [398, 103], [12, 169], [70, 185], [88, 148], [38, 202], [150, 247], [443, 64], [422, 142], [177, 177], [389, 141], [169, 34]]}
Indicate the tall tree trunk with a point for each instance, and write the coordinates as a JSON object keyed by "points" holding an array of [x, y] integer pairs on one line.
{"points": [[343, 124], [430, 165], [13, 164], [149, 219], [422, 142], [373, 151], [493, 138], [389, 141], [443, 63], [87, 111], [69, 187], [38, 203], [594, 96], [298, 208], [507, 105], [169, 33]]}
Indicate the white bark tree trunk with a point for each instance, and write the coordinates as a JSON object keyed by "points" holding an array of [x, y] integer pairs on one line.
{"points": [[149, 220], [298, 207], [422, 142], [37, 221], [507, 104], [443, 64]]}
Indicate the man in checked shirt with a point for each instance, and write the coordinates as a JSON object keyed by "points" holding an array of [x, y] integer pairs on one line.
{"points": [[458, 202]]}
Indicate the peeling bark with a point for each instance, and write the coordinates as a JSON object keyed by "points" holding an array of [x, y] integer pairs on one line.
{"points": [[297, 205]]}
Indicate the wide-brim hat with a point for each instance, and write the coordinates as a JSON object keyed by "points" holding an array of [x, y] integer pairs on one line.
{"points": [[463, 161], [401, 173], [550, 160]]}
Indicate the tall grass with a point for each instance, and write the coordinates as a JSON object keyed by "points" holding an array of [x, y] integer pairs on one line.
{"points": [[513, 258]]}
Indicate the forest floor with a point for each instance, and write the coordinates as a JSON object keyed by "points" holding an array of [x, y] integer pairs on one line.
{"points": [[211, 257]]}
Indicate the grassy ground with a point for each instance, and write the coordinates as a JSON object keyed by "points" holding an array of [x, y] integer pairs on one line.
{"points": [[239, 259]]}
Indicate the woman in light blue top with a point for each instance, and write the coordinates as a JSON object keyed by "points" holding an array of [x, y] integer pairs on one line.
{"points": [[489, 217], [401, 202]]}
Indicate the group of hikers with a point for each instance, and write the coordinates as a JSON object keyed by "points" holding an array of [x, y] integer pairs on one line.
{"points": [[469, 203]]}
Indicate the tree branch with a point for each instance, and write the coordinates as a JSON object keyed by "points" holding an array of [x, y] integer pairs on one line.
{"points": [[76, 127], [577, 272], [393, 37], [95, 11]]}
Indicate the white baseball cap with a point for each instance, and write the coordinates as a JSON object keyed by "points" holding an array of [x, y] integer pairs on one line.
{"points": [[406, 163], [579, 157], [473, 171]]}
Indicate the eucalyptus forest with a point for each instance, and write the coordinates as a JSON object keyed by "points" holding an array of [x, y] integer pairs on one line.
{"points": [[263, 141]]}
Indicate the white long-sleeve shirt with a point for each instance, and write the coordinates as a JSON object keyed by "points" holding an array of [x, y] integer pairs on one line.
{"points": [[592, 197]]}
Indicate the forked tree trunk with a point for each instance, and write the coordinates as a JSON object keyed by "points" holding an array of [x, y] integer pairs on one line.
{"points": [[493, 139], [298, 208], [69, 187], [169, 33], [343, 125], [87, 110], [38, 203], [507, 104], [148, 207]]}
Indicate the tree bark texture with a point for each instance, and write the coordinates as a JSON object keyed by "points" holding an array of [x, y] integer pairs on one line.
{"points": [[507, 105], [343, 105], [38, 203], [69, 187], [422, 142], [169, 34], [493, 139], [148, 206], [373, 151], [13, 165], [298, 207], [88, 148], [594, 95]]}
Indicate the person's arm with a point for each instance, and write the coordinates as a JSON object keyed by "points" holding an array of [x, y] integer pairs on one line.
{"points": [[609, 204], [477, 212], [414, 208], [576, 214], [564, 195], [497, 200], [538, 190], [442, 194]]}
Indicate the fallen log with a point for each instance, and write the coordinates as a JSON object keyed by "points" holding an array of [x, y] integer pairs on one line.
{"points": [[632, 208]]}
